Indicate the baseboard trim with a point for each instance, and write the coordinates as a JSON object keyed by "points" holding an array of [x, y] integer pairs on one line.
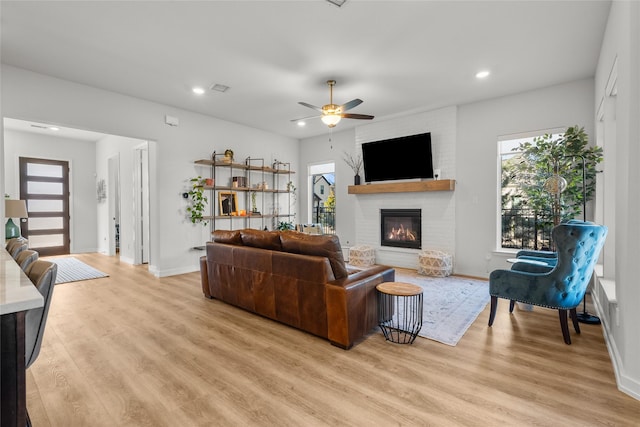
{"points": [[625, 384], [173, 271]]}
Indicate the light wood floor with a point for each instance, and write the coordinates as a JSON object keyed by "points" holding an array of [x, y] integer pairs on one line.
{"points": [[134, 350]]}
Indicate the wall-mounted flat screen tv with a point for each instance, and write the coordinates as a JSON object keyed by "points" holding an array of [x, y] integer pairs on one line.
{"points": [[407, 157]]}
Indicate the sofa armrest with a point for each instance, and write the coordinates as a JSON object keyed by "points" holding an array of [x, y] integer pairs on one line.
{"points": [[204, 276], [352, 304]]}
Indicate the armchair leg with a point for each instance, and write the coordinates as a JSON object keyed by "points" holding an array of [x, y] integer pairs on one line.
{"points": [[511, 304], [565, 326], [574, 318], [494, 306]]}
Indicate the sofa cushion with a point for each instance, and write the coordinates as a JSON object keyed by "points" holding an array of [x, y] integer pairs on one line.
{"points": [[227, 236], [261, 239], [319, 245]]}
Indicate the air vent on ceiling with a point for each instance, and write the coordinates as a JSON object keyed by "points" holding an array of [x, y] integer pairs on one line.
{"points": [[219, 88], [338, 3]]}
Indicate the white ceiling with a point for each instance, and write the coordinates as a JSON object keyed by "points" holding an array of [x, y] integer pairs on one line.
{"points": [[397, 56], [48, 130]]}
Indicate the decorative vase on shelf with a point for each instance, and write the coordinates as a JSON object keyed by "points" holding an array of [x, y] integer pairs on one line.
{"points": [[356, 180]]}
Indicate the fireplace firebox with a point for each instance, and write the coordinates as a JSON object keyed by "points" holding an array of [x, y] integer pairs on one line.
{"points": [[401, 228]]}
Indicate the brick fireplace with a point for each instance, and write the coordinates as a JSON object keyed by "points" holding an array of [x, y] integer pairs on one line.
{"points": [[438, 208]]}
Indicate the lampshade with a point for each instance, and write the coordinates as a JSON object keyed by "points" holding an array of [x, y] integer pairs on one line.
{"points": [[15, 208], [330, 119]]}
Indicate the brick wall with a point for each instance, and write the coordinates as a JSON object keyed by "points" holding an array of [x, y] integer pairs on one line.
{"points": [[438, 208]]}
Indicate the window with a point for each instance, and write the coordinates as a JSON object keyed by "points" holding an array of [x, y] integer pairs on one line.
{"points": [[322, 203], [522, 225]]}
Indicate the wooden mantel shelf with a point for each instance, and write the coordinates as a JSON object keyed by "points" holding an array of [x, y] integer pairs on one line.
{"points": [[404, 187]]}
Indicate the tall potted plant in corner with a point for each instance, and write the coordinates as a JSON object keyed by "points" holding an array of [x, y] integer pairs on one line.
{"points": [[548, 157], [198, 201], [355, 164]]}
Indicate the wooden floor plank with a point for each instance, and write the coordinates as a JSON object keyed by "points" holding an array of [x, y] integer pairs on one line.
{"points": [[135, 350]]}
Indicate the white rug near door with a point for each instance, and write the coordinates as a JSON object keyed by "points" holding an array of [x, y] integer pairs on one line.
{"points": [[451, 305], [73, 270]]}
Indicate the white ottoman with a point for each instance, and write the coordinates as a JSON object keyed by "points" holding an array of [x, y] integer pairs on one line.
{"points": [[435, 263], [362, 256]]}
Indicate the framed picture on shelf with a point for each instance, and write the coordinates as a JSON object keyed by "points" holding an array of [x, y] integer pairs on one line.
{"points": [[228, 203]]}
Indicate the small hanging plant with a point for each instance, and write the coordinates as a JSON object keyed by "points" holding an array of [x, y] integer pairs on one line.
{"points": [[198, 201]]}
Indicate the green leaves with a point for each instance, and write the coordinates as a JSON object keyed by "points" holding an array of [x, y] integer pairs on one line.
{"points": [[198, 201], [539, 160]]}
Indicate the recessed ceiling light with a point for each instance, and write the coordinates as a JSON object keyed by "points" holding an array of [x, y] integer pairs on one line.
{"points": [[482, 74], [198, 90], [302, 124], [53, 128]]}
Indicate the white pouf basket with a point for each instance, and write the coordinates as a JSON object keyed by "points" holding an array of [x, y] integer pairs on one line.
{"points": [[362, 256], [435, 263]]}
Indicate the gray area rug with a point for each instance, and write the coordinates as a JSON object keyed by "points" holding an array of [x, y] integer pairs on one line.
{"points": [[451, 305], [73, 270]]}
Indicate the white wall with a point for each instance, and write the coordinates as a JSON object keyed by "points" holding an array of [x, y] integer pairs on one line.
{"points": [[479, 126], [31, 96], [622, 43], [82, 184]]}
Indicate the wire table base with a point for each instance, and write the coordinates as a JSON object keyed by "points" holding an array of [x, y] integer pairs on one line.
{"points": [[400, 311]]}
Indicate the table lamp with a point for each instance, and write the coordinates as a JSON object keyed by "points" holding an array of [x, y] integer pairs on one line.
{"points": [[13, 209]]}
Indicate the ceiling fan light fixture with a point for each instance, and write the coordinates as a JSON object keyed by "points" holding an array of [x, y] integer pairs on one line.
{"points": [[331, 119]]}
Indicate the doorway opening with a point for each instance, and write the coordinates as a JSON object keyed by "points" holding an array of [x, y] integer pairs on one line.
{"points": [[108, 189], [113, 199]]}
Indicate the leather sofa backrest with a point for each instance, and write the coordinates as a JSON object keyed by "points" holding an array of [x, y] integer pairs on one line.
{"points": [[231, 237], [319, 245], [327, 246], [261, 239]]}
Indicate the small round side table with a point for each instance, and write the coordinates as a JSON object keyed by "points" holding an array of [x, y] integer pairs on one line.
{"points": [[399, 311]]}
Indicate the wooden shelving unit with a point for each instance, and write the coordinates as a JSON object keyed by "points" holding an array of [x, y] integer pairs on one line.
{"points": [[404, 187], [261, 173]]}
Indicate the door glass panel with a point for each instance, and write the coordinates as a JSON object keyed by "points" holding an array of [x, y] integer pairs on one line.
{"points": [[39, 169], [44, 205], [45, 223], [46, 241], [35, 187]]}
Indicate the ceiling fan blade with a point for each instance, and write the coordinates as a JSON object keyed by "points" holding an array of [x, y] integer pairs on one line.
{"points": [[305, 118], [313, 107], [356, 116], [353, 103]]}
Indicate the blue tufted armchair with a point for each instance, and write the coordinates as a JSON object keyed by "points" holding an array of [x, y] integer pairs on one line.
{"points": [[561, 286]]}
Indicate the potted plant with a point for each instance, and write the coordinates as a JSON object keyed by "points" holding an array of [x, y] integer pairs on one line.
{"points": [[283, 225], [198, 201], [556, 177], [254, 204], [355, 164]]}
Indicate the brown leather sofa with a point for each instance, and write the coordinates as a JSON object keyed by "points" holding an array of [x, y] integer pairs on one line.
{"points": [[297, 279]]}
